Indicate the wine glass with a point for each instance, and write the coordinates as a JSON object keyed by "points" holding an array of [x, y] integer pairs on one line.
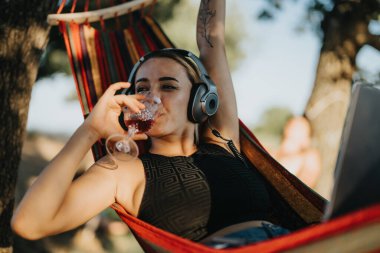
{"points": [[123, 147]]}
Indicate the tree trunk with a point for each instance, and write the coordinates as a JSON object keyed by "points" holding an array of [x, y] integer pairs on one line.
{"points": [[326, 111], [23, 37], [345, 32]]}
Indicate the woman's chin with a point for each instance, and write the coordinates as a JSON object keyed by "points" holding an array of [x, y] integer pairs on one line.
{"points": [[154, 132]]}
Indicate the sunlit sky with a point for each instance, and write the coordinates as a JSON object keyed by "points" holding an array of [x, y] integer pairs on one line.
{"points": [[278, 70]]}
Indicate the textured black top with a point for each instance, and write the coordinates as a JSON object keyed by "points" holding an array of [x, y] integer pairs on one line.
{"points": [[197, 195]]}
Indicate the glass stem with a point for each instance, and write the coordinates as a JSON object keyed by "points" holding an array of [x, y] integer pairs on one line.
{"points": [[131, 131]]}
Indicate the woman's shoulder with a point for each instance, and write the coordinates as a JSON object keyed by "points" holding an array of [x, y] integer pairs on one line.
{"points": [[129, 178]]}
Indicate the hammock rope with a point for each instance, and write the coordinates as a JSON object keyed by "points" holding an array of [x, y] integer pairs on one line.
{"points": [[101, 55], [91, 16]]}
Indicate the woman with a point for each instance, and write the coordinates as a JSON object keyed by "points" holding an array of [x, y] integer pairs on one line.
{"points": [[188, 189], [296, 153]]}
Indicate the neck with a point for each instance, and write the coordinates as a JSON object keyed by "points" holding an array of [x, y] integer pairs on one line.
{"points": [[173, 145]]}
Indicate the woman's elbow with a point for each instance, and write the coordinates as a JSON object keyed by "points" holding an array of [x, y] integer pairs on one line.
{"points": [[24, 228]]}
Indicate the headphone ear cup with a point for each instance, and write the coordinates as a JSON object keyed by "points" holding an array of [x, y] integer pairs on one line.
{"points": [[194, 109], [210, 104]]}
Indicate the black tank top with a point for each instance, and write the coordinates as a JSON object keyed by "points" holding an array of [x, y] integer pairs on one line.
{"points": [[197, 195]]}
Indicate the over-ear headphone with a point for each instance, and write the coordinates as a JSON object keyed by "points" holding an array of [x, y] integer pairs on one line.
{"points": [[203, 101]]}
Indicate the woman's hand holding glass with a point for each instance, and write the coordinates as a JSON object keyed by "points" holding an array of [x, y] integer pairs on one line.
{"points": [[139, 112], [103, 120], [122, 147]]}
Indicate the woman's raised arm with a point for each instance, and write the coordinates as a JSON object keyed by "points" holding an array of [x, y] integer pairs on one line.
{"points": [[211, 44]]}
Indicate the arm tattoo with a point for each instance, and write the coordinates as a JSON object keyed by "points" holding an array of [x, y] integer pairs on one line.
{"points": [[205, 16]]}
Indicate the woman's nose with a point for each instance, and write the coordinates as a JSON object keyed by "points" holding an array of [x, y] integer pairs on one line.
{"points": [[156, 95], [156, 100]]}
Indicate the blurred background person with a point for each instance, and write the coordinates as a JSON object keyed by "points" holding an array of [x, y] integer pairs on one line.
{"points": [[296, 153]]}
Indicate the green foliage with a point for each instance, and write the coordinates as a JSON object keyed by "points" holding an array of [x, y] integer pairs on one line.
{"points": [[314, 13], [54, 59], [269, 130], [182, 26], [164, 10], [273, 121], [317, 10], [321, 15]]}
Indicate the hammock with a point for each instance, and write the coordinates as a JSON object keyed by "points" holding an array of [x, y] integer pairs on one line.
{"points": [[100, 56]]}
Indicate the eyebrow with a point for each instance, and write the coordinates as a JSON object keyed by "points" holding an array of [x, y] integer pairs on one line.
{"points": [[167, 78], [144, 79], [164, 78]]}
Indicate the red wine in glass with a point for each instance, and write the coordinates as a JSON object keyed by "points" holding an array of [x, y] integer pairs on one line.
{"points": [[140, 125], [123, 147]]}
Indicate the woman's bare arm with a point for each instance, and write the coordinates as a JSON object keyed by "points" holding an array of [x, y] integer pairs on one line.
{"points": [[55, 203], [211, 44]]}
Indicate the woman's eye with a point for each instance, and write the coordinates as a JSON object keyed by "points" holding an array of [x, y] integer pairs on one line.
{"points": [[168, 87], [141, 89]]}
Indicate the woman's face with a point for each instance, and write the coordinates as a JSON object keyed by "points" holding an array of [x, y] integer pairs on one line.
{"points": [[167, 79]]}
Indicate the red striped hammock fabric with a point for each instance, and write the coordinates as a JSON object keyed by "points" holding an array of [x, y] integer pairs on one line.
{"points": [[99, 58], [356, 232]]}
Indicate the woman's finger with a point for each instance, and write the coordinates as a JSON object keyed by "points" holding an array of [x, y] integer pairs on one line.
{"points": [[133, 104], [117, 86], [125, 99], [138, 96]]}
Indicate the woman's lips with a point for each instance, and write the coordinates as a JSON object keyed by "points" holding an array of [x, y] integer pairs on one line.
{"points": [[159, 114]]}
